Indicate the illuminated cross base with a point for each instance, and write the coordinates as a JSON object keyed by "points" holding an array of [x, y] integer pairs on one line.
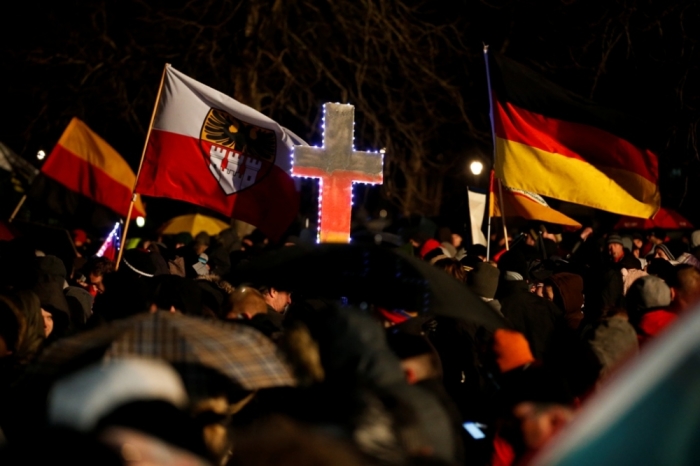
{"points": [[337, 165]]}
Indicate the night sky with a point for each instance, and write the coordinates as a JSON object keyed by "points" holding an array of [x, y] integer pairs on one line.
{"points": [[414, 70]]}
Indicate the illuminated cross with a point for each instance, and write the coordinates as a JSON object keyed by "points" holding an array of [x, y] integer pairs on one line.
{"points": [[337, 165]]}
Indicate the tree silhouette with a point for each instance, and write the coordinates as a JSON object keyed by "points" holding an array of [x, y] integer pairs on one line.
{"points": [[413, 69]]}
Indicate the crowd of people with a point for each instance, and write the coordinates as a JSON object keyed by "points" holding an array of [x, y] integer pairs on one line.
{"points": [[104, 363]]}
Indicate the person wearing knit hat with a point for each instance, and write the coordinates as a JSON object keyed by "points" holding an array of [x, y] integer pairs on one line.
{"points": [[662, 252], [614, 238], [616, 249], [671, 250], [511, 350], [648, 300]]}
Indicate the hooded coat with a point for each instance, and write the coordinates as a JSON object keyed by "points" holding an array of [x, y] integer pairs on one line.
{"points": [[50, 292], [568, 296], [80, 303]]}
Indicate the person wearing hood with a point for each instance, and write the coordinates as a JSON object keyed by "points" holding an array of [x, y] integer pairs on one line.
{"points": [[670, 251], [54, 307], [566, 291], [80, 304], [53, 268], [483, 281]]}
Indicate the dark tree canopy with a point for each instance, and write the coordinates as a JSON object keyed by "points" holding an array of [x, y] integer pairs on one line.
{"points": [[413, 69]]}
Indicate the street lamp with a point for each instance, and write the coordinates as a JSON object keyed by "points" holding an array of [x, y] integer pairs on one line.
{"points": [[140, 222], [476, 167], [41, 155]]}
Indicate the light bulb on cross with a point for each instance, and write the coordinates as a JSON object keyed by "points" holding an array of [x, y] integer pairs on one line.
{"points": [[338, 165]]}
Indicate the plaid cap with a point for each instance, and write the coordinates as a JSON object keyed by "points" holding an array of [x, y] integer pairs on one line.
{"points": [[241, 353]]}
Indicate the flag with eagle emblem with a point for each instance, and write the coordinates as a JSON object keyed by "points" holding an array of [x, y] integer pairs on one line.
{"points": [[211, 150]]}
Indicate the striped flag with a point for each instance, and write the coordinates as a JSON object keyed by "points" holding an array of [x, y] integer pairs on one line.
{"points": [[530, 206], [209, 149], [85, 163], [552, 142]]}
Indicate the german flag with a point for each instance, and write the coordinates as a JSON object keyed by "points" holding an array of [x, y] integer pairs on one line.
{"points": [[555, 143], [85, 163], [530, 206]]}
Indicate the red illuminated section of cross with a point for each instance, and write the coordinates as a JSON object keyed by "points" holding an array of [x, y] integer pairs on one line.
{"points": [[337, 165]]}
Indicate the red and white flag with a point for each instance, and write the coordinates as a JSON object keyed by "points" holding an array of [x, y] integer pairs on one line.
{"points": [[211, 150]]}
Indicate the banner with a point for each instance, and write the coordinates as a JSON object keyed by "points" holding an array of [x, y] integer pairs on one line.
{"points": [[477, 208]]}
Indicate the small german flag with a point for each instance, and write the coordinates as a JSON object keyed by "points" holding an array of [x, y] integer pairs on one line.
{"points": [[555, 143]]}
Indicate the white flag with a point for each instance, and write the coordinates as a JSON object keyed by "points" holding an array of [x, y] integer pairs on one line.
{"points": [[477, 207]]}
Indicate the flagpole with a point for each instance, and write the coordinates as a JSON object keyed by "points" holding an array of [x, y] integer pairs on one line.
{"points": [[493, 138], [138, 173], [503, 213], [490, 215], [19, 206]]}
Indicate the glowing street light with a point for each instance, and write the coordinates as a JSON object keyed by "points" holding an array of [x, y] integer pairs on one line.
{"points": [[140, 222], [476, 167], [41, 155]]}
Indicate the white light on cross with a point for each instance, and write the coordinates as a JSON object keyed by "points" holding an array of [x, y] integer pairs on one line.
{"points": [[337, 165]]}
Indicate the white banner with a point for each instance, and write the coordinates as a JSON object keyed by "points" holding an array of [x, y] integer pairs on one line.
{"points": [[477, 207]]}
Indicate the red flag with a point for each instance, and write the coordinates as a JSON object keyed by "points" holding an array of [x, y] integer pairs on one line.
{"points": [[209, 149]]}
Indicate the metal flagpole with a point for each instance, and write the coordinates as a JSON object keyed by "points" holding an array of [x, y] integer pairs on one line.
{"points": [[490, 215], [138, 173], [493, 137], [503, 214]]}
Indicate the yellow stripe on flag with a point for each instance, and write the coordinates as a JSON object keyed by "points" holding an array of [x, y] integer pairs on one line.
{"points": [[521, 205], [524, 167], [84, 143]]}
